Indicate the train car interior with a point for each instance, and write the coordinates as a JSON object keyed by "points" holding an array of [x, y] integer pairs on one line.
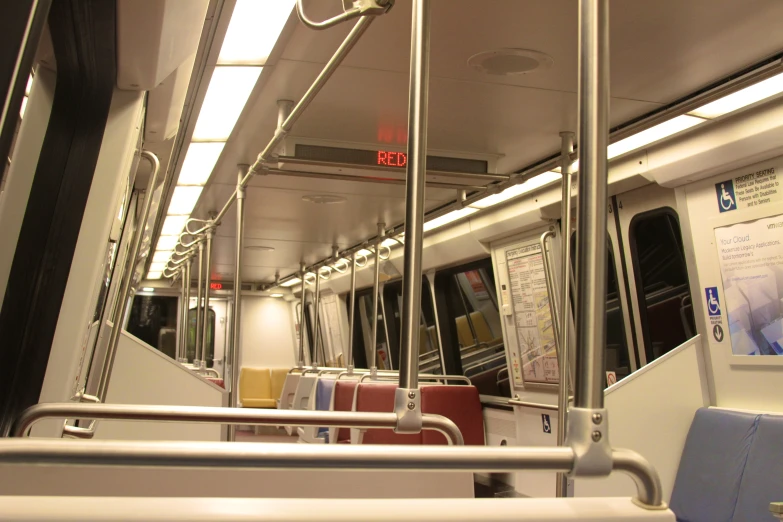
{"points": [[438, 260]]}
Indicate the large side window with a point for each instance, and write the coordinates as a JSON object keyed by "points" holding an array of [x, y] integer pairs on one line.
{"points": [[153, 319], [429, 350], [664, 297], [617, 354], [363, 344], [470, 326]]}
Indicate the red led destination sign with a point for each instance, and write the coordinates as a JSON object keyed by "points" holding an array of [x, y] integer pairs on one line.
{"points": [[216, 286], [392, 159]]}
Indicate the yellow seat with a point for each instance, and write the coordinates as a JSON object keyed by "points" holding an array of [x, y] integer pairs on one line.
{"points": [[255, 388], [483, 332], [278, 380], [464, 335]]}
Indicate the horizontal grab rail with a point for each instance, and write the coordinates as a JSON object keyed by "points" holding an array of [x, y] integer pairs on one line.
{"points": [[217, 415], [539, 405], [308, 456], [422, 377]]}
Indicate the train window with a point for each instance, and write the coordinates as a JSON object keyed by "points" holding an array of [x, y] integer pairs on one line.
{"points": [[362, 334], [617, 355], [153, 319], [191, 347], [471, 328], [663, 293], [429, 348]]}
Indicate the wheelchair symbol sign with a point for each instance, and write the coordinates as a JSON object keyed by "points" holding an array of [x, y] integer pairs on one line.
{"points": [[725, 192], [713, 304], [546, 423]]}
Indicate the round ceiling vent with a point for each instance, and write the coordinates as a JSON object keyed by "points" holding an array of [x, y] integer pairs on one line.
{"points": [[324, 199], [506, 62]]}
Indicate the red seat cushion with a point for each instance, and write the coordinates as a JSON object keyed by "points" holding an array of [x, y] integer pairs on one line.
{"points": [[343, 401], [379, 397], [462, 405]]}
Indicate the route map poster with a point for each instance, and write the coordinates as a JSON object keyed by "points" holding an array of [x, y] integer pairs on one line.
{"points": [[751, 266], [532, 316]]}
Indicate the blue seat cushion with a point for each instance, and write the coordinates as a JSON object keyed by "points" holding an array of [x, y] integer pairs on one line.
{"points": [[323, 400], [762, 481], [711, 466]]}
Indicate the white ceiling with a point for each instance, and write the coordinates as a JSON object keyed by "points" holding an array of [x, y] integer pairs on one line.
{"points": [[660, 51]]}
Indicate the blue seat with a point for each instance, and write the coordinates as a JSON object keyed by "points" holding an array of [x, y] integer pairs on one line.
{"points": [[712, 464], [762, 481], [323, 400]]}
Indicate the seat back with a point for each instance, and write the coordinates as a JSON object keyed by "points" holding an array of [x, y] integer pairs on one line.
{"points": [[712, 464], [278, 381], [762, 480], [464, 334], [254, 383], [462, 405], [483, 332], [379, 397], [289, 390], [304, 390], [323, 394], [342, 400]]}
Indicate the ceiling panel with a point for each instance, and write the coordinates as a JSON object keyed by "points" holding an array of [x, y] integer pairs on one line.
{"points": [[661, 51]]}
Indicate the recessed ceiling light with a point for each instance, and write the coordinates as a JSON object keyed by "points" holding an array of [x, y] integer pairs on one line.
{"points": [[507, 62], [260, 248], [275, 295], [324, 199], [147, 289]]}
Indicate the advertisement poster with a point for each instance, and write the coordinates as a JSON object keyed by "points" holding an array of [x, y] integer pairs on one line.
{"points": [[751, 266], [532, 317]]}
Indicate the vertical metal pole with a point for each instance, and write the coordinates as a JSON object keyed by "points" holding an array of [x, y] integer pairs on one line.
{"points": [[199, 294], [237, 304], [588, 428], [316, 304], [183, 314], [120, 312], [184, 354], [302, 329], [566, 148], [591, 235], [351, 315], [375, 284], [207, 280], [407, 402]]}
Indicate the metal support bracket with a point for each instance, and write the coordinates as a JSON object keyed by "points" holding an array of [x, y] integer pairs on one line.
{"points": [[360, 8], [588, 436], [407, 407]]}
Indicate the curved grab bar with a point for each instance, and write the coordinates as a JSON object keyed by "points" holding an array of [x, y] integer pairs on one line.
{"points": [[199, 239], [217, 415], [346, 265], [209, 224], [327, 276], [331, 22]]}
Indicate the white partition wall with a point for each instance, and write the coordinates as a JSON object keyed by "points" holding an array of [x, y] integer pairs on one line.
{"points": [[267, 340], [143, 375], [650, 412]]}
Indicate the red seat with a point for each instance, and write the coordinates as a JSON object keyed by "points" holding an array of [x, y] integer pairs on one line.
{"points": [[379, 397], [343, 401], [462, 405]]}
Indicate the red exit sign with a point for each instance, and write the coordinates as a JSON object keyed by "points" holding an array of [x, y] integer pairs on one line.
{"points": [[216, 286], [392, 159]]}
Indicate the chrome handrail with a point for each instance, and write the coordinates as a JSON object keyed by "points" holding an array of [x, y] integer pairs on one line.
{"points": [[217, 415], [365, 8], [250, 455]]}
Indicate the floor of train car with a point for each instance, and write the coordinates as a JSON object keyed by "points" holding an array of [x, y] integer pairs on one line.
{"points": [[484, 485]]}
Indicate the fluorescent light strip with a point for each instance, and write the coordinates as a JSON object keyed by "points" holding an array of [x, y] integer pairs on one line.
{"points": [[517, 190], [253, 31], [154, 275], [226, 96], [291, 282], [173, 225], [184, 200], [448, 218], [157, 267], [742, 98], [162, 256], [653, 134], [167, 242], [199, 162]]}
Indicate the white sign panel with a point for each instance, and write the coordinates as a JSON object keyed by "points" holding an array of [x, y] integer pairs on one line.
{"points": [[536, 360], [751, 266]]}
